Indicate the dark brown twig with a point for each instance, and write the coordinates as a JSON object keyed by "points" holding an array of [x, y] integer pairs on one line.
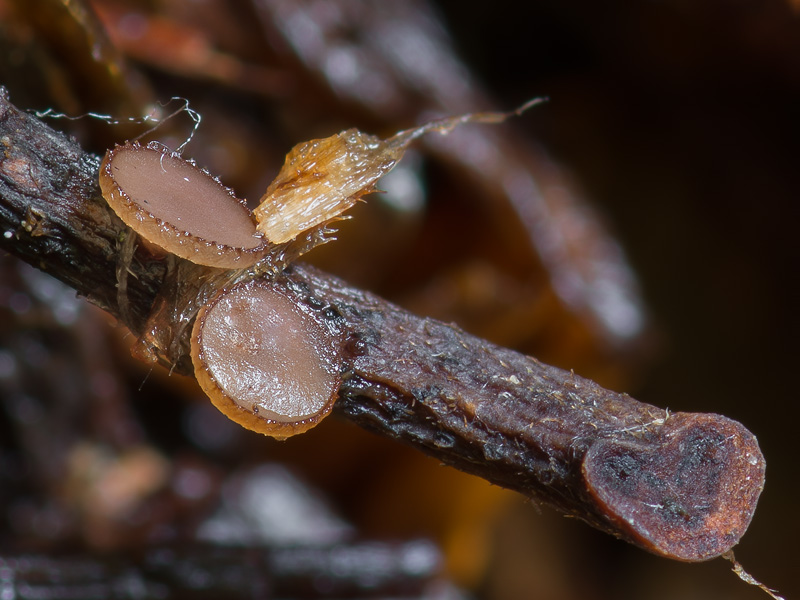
{"points": [[681, 485]]}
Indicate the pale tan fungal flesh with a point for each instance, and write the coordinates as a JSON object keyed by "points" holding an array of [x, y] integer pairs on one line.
{"points": [[323, 178], [179, 207], [265, 363]]}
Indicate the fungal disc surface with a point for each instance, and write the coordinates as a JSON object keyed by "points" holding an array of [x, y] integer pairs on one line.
{"points": [[179, 207], [264, 362]]}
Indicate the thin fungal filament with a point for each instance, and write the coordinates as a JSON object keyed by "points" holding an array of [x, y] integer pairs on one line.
{"points": [[154, 116]]}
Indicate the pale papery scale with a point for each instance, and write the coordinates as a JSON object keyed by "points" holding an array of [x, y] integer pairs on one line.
{"points": [[323, 178]]}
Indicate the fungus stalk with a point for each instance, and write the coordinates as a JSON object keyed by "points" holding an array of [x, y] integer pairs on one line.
{"points": [[205, 234]]}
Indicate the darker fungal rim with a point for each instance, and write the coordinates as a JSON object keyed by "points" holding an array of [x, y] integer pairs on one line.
{"points": [[220, 398], [239, 256]]}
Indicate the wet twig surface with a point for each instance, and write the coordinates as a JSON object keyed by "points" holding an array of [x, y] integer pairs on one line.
{"points": [[681, 485]]}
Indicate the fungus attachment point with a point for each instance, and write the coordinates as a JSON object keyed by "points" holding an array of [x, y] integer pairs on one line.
{"points": [[323, 178], [263, 362], [179, 207]]}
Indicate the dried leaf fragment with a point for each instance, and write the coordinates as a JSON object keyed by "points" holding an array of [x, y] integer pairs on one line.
{"points": [[323, 178]]}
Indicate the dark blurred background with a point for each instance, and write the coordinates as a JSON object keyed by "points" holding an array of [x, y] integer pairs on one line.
{"points": [[670, 125], [680, 119]]}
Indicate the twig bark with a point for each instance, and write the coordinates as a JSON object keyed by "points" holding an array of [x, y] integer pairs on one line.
{"points": [[53, 216], [681, 485]]}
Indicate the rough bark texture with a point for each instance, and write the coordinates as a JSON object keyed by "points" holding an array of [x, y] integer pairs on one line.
{"points": [[53, 216], [681, 485]]}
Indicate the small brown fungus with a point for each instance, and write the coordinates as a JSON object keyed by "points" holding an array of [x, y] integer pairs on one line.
{"points": [[179, 207], [264, 362]]}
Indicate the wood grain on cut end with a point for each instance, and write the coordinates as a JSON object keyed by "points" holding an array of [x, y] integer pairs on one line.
{"points": [[690, 495]]}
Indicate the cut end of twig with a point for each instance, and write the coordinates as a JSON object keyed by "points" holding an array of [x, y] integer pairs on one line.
{"points": [[689, 494]]}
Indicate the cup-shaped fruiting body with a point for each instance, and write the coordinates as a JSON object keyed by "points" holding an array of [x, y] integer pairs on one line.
{"points": [[179, 207], [265, 362]]}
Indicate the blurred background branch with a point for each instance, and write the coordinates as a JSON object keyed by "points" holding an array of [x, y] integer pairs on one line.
{"points": [[678, 118]]}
